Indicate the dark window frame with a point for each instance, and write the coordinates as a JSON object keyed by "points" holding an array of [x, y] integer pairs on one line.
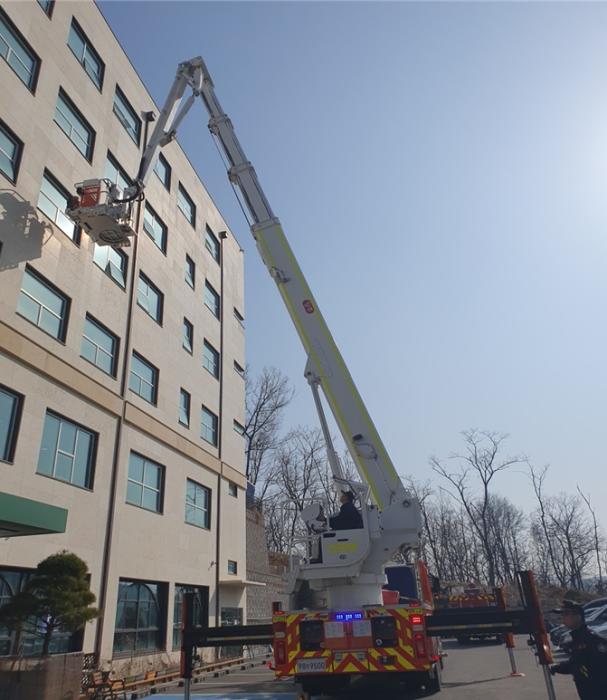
{"points": [[48, 175], [216, 356], [89, 45], [49, 10], [215, 443], [67, 308], [161, 490], [38, 61], [123, 257], [215, 245], [118, 91], [165, 229], [93, 455], [208, 511], [186, 195], [15, 424], [160, 294], [182, 393], [235, 567], [169, 171], [160, 597], [116, 355], [70, 103], [188, 259], [190, 326], [20, 145], [141, 358], [216, 296]]}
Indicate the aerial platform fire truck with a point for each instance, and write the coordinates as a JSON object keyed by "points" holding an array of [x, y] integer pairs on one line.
{"points": [[356, 628]]}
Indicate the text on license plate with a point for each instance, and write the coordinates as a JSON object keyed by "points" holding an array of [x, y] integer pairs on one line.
{"points": [[312, 666]]}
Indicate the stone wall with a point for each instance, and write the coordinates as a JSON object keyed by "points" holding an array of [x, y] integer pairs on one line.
{"points": [[264, 567]]}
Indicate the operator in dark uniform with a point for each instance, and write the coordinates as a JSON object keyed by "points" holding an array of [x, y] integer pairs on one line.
{"points": [[588, 662], [348, 517]]}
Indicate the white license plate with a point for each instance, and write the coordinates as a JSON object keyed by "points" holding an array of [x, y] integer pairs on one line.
{"points": [[311, 666]]}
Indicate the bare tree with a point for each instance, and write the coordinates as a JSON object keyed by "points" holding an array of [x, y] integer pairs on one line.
{"points": [[480, 462], [598, 540], [266, 398]]}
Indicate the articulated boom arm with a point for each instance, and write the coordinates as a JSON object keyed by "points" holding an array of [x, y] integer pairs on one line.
{"points": [[325, 367]]}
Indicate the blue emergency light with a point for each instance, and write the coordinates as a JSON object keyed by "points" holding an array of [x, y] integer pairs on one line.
{"points": [[347, 616]]}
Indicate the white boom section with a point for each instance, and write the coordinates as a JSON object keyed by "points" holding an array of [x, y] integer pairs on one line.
{"points": [[326, 367], [324, 359]]}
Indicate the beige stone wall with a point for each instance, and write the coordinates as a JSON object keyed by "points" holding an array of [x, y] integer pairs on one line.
{"points": [[51, 375]]}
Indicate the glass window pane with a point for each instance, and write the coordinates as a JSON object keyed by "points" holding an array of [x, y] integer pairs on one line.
{"points": [[151, 499], [28, 308], [133, 493], [63, 467], [17, 54], [8, 412], [9, 153], [67, 437], [151, 475], [82, 460], [48, 446], [136, 467], [88, 350]]}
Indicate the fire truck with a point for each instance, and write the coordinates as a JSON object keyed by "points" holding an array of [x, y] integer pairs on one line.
{"points": [[457, 596], [357, 628]]}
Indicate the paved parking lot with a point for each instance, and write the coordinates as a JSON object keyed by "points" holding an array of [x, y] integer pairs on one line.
{"points": [[474, 672]]}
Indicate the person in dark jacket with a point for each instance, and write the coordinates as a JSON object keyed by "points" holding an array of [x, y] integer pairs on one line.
{"points": [[588, 662], [348, 517]]}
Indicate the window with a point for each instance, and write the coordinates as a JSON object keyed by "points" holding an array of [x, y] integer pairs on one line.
{"points": [[188, 336], [52, 200], [18, 53], [67, 451], [145, 483], [10, 416], [43, 304], [197, 504], [163, 170], [139, 617], [212, 244], [99, 346], [211, 299], [190, 271], [208, 426], [112, 261], [86, 55], [239, 317], [155, 227], [10, 153], [143, 379], [186, 205], [201, 593], [127, 115], [74, 125], [150, 298], [47, 6], [232, 567], [184, 407], [116, 173], [210, 359], [232, 489], [238, 369], [239, 428]]}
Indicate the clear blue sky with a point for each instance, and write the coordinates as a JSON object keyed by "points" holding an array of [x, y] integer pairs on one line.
{"points": [[440, 170]]}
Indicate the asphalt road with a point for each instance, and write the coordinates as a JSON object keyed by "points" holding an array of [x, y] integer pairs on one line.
{"points": [[474, 672]]}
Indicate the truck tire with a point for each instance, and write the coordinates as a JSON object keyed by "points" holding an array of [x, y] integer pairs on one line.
{"points": [[433, 684]]}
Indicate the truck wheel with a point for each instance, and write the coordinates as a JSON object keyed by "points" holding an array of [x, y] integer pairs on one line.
{"points": [[433, 684]]}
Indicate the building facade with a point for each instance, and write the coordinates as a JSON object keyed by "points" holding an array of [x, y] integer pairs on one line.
{"points": [[121, 370]]}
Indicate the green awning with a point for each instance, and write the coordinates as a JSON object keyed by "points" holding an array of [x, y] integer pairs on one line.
{"points": [[22, 516]]}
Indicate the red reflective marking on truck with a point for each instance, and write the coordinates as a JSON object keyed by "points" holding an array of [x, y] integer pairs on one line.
{"points": [[308, 306]]}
